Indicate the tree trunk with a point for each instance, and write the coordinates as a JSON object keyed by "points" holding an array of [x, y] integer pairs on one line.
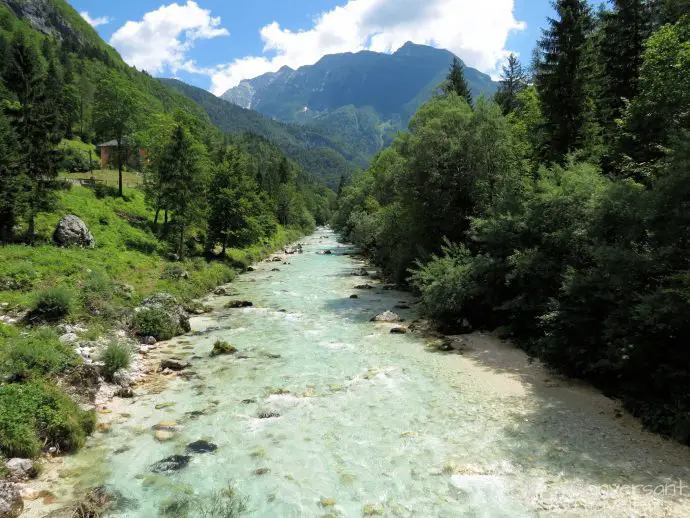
{"points": [[158, 210], [180, 250], [119, 167]]}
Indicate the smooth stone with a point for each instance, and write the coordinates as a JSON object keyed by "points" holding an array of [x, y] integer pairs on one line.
{"points": [[164, 435], [201, 446], [172, 463]]}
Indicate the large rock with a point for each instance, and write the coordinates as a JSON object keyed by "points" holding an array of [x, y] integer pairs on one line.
{"points": [[11, 503], [387, 316], [170, 464], [21, 469], [72, 231], [179, 319]]}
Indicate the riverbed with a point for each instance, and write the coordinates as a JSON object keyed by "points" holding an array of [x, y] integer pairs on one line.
{"points": [[323, 412]]}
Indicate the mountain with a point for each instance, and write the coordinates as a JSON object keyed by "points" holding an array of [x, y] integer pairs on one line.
{"points": [[316, 153], [360, 99]]}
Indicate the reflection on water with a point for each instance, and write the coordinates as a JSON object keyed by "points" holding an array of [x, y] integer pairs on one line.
{"points": [[323, 412]]}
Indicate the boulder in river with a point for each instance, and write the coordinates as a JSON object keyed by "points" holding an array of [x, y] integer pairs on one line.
{"points": [[72, 231], [170, 464], [173, 364], [234, 304], [387, 316], [11, 503], [364, 287], [354, 296], [398, 330], [222, 347], [201, 446]]}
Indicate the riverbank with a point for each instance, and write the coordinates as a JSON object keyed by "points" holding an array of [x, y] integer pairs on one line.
{"points": [[323, 411]]}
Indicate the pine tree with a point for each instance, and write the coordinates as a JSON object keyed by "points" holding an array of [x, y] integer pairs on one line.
{"points": [[12, 181], [513, 81], [184, 183], [456, 82], [562, 75], [625, 31], [35, 123], [668, 11]]}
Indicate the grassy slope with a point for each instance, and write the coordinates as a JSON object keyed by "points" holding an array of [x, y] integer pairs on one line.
{"points": [[126, 251]]}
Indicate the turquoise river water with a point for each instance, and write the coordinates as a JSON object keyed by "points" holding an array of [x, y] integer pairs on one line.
{"points": [[365, 422]]}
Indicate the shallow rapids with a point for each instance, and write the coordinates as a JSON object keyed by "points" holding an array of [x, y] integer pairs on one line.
{"points": [[323, 412]]}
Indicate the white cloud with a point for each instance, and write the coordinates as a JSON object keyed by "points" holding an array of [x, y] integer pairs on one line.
{"points": [[163, 38], [476, 31], [94, 22]]}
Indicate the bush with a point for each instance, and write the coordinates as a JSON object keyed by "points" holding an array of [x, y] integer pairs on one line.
{"points": [[36, 415], [96, 293], [51, 305], [154, 322], [73, 161], [18, 276], [116, 356], [39, 353]]}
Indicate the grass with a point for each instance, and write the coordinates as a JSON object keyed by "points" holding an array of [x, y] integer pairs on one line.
{"points": [[108, 176], [36, 354], [115, 357], [51, 305], [36, 415]]}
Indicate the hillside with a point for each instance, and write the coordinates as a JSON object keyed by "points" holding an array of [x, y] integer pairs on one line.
{"points": [[321, 156], [361, 99]]}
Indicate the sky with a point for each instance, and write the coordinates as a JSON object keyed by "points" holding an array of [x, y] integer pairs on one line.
{"points": [[214, 44]]}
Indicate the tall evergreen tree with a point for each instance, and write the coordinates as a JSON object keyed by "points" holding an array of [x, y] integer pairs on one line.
{"points": [[562, 75], [625, 31], [513, 81], [456, 82], [35, 123], [12, 180], [114, 114], [185, 187], [668, 11]]}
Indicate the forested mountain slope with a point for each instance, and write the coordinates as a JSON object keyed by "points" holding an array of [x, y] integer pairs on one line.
{"points": [[359, 99], [317, 153]]}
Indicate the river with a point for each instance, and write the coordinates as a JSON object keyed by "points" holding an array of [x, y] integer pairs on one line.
{"points": [[364, 422]]}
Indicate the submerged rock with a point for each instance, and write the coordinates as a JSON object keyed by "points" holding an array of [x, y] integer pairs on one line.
{"points": [[267, 414], [354, 296], [364, 287], [174, 365], [201, 446], [398, 330], [163, 435], [72, 231], [11, 503], [234, 304], [387, 316], [170, 464]]}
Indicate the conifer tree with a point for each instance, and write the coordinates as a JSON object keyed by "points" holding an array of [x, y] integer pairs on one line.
{"points": [[12, 180], [184, 186], [456, 82], [562, 75], [513, 81], [35, 123]]}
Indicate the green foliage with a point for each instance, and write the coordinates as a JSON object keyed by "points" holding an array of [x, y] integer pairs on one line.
{"points": [[36, 415], [154, 322], [562, 77], [513, 82], [38, 353], [51, 305], [456, 82], [115, 357]]}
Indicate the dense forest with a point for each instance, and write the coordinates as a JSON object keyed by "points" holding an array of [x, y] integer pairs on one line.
{"points": [[72, 88], [558, 212]]}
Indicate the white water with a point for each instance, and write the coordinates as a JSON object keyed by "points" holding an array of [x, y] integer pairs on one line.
{"points": [[372, 418]]}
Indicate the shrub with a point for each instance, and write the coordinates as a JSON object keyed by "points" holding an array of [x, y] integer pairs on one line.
{"points": [[96, 293], [154, 322], [39, 353], [51, 305], [36, 415], [116, 356], [18, 276]]}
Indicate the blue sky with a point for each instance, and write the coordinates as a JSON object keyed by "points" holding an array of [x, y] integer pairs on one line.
{"points": [[216, 43]]}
